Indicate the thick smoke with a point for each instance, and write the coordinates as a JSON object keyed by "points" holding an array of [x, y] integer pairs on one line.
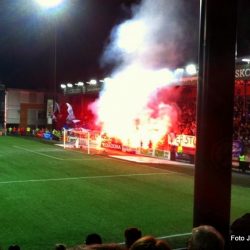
{"points": [[142, 48], [157, 35]]}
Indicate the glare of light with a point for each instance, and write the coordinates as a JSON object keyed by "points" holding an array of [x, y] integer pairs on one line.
{"points": [[107, 79], [49, 3], [191, 69], [162, 77], [80, 83], [92, 82], [179, 71], [70, 85], [245, 60], [133, 120], [63, 86]]}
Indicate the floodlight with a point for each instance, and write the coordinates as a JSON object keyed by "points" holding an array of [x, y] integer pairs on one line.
{"points": [[245, 60], [80, 83], [107, 79], [92, 82], [70, 85], [63, 86], [179, 71], [49, 3], [191, 69]]}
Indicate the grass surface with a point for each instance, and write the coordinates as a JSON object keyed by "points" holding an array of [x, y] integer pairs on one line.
{"points": [[51, 195]]}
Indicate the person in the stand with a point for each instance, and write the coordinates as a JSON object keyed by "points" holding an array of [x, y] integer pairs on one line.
{"points": [[179, 149], [28, 129], [150, 144], [131, 235], [93, 239], [9, 130], [206, 237], [243, 164]]}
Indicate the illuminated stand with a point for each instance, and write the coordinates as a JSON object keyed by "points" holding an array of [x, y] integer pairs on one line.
{"points": [[148, 128]]}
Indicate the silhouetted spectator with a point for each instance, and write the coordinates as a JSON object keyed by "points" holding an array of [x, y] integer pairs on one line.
{"points": [[131, 235], [60, 247], [240, 229], [14, 247], [206, 237], [93, 239], [108, 246], [150, 243]]}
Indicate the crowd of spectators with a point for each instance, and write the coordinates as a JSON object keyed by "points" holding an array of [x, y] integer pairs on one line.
{"points": [[241, 120], [187, 118], [203, 237], [36, 132], [186, 122]]}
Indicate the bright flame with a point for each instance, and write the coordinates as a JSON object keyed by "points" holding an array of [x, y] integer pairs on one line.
{"points": [[131, 106], [123, 108]]}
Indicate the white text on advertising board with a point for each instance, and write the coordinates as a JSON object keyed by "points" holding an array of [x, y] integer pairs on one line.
{"points": [[183, 140], [111, 145]]}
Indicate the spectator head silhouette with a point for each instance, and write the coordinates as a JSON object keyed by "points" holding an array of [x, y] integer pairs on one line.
{"points": [[106, 246], [150, 243], [240, 227], [60, 247], [131, 235], [93, 239], [14, 247], [206, 237]]}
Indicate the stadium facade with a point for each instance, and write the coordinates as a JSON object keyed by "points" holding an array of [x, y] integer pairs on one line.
{"points": [[36, 109]]}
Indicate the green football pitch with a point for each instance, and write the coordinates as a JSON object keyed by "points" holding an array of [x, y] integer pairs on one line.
{"points": [[50, 195]]}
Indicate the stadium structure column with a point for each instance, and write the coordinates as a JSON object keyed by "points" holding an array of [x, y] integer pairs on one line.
{"points": [[2, 109], [212, 189]]}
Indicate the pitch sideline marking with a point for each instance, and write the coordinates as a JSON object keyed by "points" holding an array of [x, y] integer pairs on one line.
{"points": [[83, 177], [28, 150], [53, 157], [166, 237], [61, 159], [173, 236]]}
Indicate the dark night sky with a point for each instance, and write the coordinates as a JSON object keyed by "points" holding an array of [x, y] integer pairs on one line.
{"points": [[83, 29], [27, 40]]}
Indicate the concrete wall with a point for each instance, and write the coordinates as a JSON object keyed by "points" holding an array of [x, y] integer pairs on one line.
{"points": [[25, 108]]}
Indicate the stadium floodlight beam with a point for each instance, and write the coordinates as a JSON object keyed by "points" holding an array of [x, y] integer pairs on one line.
{"points": [[107, 79], [191, 69], [245, 60], [63, 86], [69, 85], [80, 83], [92, 82], [49, 3], [179, 72]]}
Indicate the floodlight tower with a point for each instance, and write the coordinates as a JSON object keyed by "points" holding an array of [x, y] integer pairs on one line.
{"points": [[52, 6], [49, 3]]}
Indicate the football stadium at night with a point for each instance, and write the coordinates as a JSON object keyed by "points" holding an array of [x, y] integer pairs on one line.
{"points": [[146, 147]]}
